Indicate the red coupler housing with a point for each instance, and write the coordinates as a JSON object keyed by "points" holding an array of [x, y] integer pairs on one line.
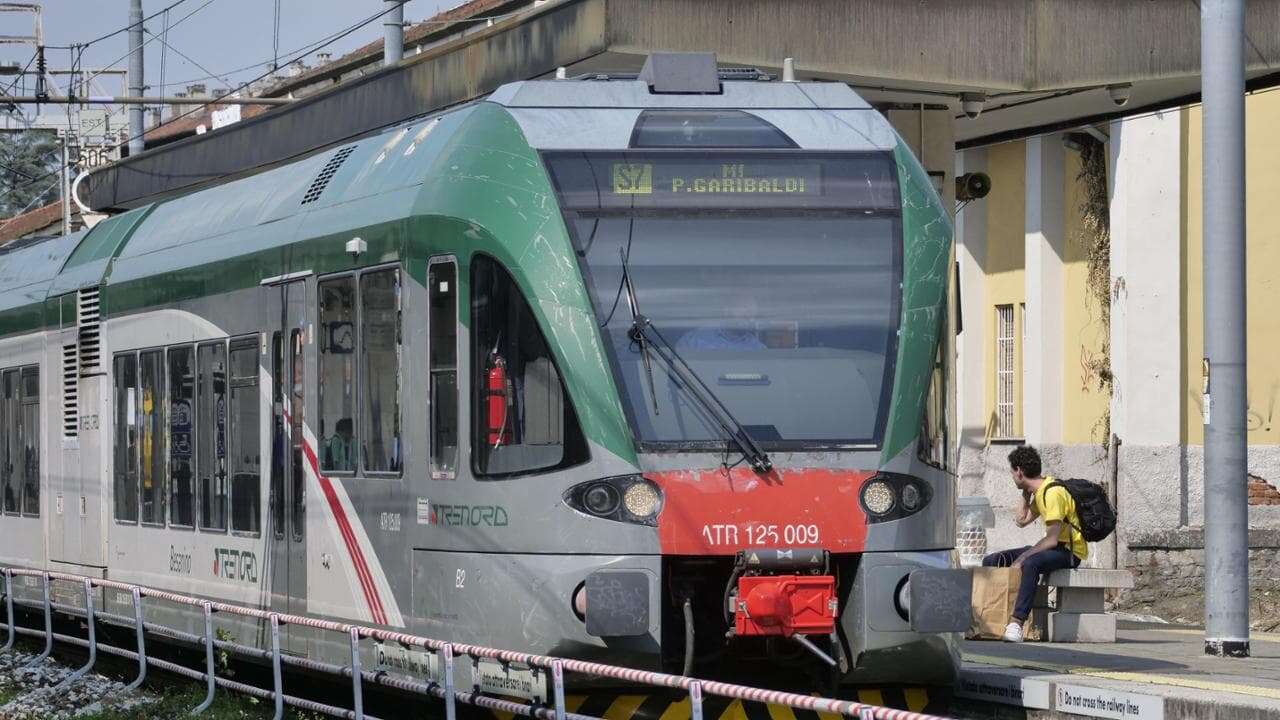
{"points": [[785, 605]]}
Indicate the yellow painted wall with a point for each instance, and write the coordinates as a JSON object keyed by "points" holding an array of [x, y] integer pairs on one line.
{"points": [[1084, 405], [1262, 186], [1005, 263]]}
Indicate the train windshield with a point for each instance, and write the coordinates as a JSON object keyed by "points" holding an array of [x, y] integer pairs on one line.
{"points": [[775, 276]]}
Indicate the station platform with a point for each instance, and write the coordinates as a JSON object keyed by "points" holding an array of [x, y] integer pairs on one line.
{"points": [[1151, 672]]}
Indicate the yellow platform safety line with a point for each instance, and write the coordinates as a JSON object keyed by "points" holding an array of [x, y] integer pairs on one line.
{"points": [[1254, 636], [779, 712], [871, 697], [623, 707], [681, 710], [917, 699], [1135, 677], [627, 706]]}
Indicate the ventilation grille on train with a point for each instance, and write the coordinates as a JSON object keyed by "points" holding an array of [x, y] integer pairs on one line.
{"points": [[90, 339], [326, 174], [70, 391], [81, 358]]}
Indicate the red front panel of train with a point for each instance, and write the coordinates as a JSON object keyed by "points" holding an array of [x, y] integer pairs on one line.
{"points": [[719, 512]]}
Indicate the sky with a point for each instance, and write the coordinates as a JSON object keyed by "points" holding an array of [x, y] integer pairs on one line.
{"points": [[220, 36]]}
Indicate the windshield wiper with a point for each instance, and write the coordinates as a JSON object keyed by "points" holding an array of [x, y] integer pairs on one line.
{"points": [[647, 337]]}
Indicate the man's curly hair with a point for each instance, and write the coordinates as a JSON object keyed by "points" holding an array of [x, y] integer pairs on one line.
{"points": [[1026, 459]]}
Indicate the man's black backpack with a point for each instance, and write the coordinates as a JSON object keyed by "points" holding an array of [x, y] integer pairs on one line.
{"points": [[1097, 517]]}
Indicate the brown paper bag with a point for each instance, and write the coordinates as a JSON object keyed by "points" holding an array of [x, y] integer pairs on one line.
{"points": [[994, 592]]}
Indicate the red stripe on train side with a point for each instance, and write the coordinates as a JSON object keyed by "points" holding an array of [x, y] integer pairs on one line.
{"points": [[719, 512], [367, 585]]}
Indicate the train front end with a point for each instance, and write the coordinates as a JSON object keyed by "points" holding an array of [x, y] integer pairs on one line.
{"points": [[767, 266]]}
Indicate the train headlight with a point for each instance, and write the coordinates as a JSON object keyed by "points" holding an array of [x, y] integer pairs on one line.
{"points": [[642, 500], [626, 498], [877, 497], [601, 499], [892, 496]]}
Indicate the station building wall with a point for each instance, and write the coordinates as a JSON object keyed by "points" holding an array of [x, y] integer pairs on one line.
{"points": [[1027, 246]]}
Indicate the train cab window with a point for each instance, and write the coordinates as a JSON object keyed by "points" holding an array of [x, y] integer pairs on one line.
{"points": [[337, 381], [523, 420], [126, 440], [706, 129], [29, 424], [380, 443], [443, 322], [10, 453], [211, 444], [151, 418], [182, 460], [245, 459]]}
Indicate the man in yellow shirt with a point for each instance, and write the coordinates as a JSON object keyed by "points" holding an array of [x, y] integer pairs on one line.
{"points": [[1062, 545]]}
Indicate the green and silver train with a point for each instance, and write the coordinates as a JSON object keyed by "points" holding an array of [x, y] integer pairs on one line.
{"points": [[584, 368]]}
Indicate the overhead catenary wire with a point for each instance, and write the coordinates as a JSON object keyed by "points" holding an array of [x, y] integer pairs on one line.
{"points": [[126, 28], [213, 101]]}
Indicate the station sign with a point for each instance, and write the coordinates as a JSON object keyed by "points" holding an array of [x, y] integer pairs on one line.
{"points": [[1102, 702]]}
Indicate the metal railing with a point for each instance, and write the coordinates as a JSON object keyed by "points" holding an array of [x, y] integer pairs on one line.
{"points": [[445, 690]]}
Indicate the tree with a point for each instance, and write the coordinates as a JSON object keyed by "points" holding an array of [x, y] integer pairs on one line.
{"points": [[29, 164]]}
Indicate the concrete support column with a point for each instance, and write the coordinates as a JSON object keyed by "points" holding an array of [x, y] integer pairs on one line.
{"points": [[971, 370], [1146, 318], [1043, 328]]}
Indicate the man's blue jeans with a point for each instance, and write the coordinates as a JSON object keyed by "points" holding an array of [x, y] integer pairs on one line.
{"points": [[1041, 563]]}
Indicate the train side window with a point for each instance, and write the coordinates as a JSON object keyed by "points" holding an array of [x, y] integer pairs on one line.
{"points": [[30, 424], [442, 278], [151, 419], [245, 455], [380, 443], [211, 444], [9, 448], [182, 460], [523, 420], [126, 441], [337, 374]]}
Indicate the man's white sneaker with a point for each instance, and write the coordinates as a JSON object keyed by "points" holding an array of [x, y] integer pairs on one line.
{"points": [[1013, 632]]}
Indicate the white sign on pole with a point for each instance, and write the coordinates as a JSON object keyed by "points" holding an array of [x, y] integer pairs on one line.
{"points": [[1107, 703]]}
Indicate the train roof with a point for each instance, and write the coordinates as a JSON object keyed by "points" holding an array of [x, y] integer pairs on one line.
{"points": [[376, 179]]}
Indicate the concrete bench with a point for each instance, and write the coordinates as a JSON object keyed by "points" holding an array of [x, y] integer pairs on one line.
{"points": [[1079, 614]]}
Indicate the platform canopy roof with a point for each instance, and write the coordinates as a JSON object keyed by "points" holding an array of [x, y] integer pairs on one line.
{"points": [[1038, 65]]}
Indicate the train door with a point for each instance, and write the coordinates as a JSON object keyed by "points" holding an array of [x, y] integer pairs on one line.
{"points": [[288, 460], [80, 459]]}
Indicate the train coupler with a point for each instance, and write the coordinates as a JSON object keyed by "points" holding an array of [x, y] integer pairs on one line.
{"points": [[783, 592]]}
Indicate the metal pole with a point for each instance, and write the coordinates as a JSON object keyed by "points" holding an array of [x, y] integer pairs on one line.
{"points": [[210, 678], [357, 689], [142, 644], [1226, 508], [48, 626], [8, 605], [136, 84], [66, 189], [392, 32], [450, 701], [275, 667], [89, 614]]}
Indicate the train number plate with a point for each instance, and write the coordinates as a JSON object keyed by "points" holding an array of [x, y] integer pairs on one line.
{"points": [[512, 680]]}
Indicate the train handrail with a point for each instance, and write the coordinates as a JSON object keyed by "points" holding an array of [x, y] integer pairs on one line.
{"points": [[447, 651]]}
